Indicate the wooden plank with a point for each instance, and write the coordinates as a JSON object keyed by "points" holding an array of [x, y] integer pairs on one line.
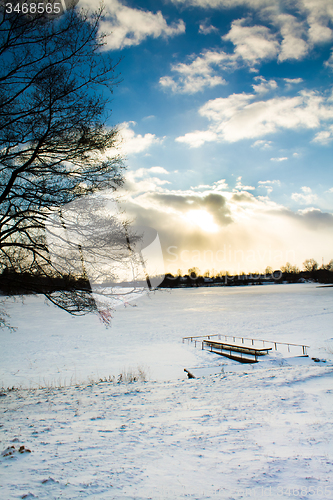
{"points": [[238, 348], [189, 374], [243, 338], [233, 355]]}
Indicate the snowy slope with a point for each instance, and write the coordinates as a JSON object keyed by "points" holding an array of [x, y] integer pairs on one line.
{"points": [[216, 437]]}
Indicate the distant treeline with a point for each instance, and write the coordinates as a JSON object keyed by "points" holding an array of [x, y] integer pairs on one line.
{"points": [[14, 283], [288, 273]]}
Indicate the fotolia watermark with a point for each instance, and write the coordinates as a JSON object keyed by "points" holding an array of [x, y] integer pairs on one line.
{"points": [[228, 255], [45, 9]]}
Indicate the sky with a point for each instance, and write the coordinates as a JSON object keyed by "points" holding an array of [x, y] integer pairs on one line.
{"points": [[225, 109]]}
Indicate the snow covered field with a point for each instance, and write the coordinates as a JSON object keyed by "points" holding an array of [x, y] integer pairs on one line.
{"points": [[251, 431]]}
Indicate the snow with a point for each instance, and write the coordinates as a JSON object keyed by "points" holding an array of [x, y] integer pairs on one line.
{"points": [[243, 431]]}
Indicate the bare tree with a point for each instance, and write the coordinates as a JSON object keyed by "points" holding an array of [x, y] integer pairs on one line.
{"points": [[290, 269], [329, 266], [310, 265], [55, 81], [193, 272]]}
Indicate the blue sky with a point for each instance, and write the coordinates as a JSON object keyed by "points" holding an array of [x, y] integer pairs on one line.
{"points": [[226, 115]]}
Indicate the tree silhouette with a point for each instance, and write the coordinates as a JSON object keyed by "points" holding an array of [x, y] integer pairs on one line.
{"points": [[54, 145], [310, 265]]}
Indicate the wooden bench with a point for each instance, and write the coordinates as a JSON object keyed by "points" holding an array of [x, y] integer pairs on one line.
{"points": [[234, 351], [259, 351]]}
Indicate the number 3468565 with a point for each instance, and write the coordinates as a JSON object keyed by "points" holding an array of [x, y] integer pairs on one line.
{"points": [[33, 8]]}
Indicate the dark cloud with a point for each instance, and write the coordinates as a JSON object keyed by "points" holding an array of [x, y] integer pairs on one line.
{"points": [[214, 203], [179, 202], [247, 197], [313, 219]]}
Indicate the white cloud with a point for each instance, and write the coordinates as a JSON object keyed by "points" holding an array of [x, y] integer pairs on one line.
{"points": [[158, 170], [224, 3], [220, 185], [197, 138], [217, 186], [206, 29], [198, 74], [128, 26], [260, 143], [144, 180], [241, 116], [252, 43], [293, 80], [325, 136], [288, 37], [241, 187], [319, 33], [256, 43], [319, 13], [225, 108], [135, 143], [306, 197], [329, 62], [269, 185], [145, 172], [306, 189], [283, 158], [301, 25], [263, 86], [191, 83], [201, 186], [293, 46]]}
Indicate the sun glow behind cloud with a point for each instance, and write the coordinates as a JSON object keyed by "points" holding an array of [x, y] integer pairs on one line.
{"points": [[227, 228], [202, 220]]}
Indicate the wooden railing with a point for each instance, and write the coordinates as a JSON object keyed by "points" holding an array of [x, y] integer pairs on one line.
{"points": [[194, 338]]}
